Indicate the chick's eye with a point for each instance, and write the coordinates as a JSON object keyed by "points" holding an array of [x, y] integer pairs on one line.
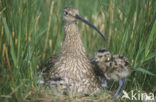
{"points": [[108, 59]]}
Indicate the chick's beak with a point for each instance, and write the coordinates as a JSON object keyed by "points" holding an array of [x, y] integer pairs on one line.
{"points": [[91, 25]]}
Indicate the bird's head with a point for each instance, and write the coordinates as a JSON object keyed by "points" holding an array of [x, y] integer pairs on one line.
{"points": [[71, 15], [102, 56]]}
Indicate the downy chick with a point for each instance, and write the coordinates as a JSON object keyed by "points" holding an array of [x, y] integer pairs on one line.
{"points": [[114, 67]]}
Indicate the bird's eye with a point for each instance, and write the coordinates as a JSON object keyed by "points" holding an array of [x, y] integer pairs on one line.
{"points": [[108, 59], [65, 13]]}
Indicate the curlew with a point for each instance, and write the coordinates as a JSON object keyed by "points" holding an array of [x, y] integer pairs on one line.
{"points": [[71, 68], [114, 67]]}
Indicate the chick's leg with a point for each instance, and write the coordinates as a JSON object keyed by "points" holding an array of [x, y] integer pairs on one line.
{"points": [[120, 87]]}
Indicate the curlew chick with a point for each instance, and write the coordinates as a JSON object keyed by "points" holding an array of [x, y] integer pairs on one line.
{"points": [[114, 67]]}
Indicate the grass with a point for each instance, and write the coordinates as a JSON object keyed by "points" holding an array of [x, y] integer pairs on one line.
{"points": [[31, 31]]}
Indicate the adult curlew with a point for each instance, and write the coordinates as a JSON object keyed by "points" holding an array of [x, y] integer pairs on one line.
{"points": [[114, 67], [71, 68]]}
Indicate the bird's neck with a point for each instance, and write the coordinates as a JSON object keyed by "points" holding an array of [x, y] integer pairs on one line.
{"points": [[72, 44]]}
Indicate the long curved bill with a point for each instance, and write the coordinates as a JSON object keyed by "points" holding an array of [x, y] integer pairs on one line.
{"points": [[91, 25]]}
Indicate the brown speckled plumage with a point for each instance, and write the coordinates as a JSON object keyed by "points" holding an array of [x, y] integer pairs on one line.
{"points": [[71, 67], [114, 67]]}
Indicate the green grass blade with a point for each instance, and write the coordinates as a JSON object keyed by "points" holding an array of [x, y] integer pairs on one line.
{"points": [[144, 71], [150, 56], [153, 31], [9, 39]]}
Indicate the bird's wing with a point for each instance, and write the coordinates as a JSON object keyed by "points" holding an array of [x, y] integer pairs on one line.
{"points": [[45, 68], [50, 63]]}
